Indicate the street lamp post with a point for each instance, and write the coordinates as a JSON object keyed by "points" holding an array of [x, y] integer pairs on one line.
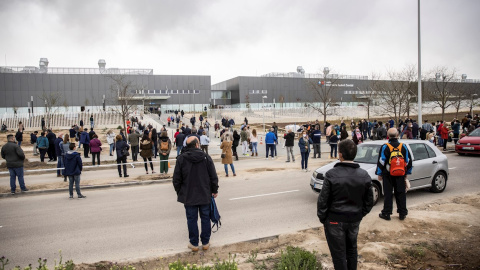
{"points": [[263, 103], [31, 99]]}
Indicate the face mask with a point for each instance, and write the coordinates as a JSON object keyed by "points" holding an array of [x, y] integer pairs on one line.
{"points": [[304, 135]]}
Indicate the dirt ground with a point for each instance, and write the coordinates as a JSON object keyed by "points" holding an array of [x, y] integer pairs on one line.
{"points": [[440, 235]]}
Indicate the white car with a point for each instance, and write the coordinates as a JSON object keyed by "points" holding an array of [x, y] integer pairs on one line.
{"points": [[430, 166]]}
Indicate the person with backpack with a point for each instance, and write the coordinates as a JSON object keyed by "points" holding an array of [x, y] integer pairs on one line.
{"points": [[393, 166], [121, 148], [146, 146], [165, 146]]}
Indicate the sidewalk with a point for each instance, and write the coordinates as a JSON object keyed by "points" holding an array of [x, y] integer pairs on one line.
{"points": [[103, 178]]}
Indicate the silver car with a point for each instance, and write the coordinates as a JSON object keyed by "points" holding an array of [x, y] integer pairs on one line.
{"points": [[430, 166]]}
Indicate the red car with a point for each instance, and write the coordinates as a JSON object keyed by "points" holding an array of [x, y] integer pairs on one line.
{"points": [[469, 144]]}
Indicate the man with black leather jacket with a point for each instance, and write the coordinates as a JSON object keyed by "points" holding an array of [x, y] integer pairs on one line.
{"points": [[346, 197]]}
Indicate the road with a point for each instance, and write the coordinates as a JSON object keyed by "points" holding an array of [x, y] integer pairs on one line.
{"points": [[146, 221]]}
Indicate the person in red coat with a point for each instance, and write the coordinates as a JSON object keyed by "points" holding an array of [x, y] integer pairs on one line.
{"points": [[444, 134]]}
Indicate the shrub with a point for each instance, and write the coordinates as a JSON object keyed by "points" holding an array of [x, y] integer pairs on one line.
{"points": [[119, 127], [295, 258]]}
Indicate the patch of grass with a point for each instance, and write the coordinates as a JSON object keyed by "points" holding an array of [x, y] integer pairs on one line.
{"points": [[297, 258]]}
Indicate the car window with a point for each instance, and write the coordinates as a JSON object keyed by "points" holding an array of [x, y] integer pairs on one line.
{"points": [[430, 151], [367, 153], [419, 151], [475, 133]]}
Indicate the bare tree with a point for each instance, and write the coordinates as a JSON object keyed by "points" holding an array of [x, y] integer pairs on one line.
{"points": [[122, 96], [323, 92], [392, 95], [471, 95], [52, 100], [410, 78], [368, 92], [440, 89]]}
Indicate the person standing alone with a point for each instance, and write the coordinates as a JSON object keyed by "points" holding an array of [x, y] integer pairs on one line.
{"points": [[195, 181], [394, 150], [346, 197], [289, 138], [14, 157]]}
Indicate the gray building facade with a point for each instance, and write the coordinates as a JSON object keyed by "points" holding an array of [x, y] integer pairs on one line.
{"points": [[91, 88]]}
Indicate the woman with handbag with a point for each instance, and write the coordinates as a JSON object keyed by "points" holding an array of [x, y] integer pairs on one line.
{"points": [[333, 144], [95, 148], [146, 146], [304, 143], [227, 154], [122, 148]]}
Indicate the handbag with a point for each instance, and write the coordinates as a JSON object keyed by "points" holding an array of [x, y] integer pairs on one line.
{"points": [[125, 152], [223, 155]]}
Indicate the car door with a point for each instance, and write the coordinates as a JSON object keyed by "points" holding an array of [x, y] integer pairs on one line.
{"points": [[423, 165]]}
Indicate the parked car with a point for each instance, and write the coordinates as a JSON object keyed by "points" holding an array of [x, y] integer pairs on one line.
{"points": [[430, 167], [469, 144]]}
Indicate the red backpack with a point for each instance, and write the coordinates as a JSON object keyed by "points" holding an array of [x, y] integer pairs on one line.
{"points": [[397, 161]]}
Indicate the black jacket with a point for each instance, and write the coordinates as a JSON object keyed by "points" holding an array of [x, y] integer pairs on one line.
{"points": [[13, 154], [289, 138], [51, 138], [19, 136], [346, 194], [119, 146], [195, 178]]}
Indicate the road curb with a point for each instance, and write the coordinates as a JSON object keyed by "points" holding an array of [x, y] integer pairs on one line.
{"points": [[114, 185]]}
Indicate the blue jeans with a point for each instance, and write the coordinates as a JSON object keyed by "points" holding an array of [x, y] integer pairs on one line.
{"points": [[76, 179], [333, 149], [254, 147], [179, 149], [111, 148], [226, 168], [271, 147], [192, 212], [14, 173], [60, 165], [92, 124], [304, 159], [19, 143]]}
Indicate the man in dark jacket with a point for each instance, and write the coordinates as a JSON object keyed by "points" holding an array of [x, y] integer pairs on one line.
{"points": [[91, 133], [58, 153], [19, 137], [396, 183], [346, 197], [14, 156], [415, 129], [51, 146], [33, 140], [73, 169], [85, 141], [195, 181], [179, 141], [316, 138], [289, 138]]}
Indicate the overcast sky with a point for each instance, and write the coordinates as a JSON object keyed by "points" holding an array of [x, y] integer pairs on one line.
{"points": [[228, 38]]}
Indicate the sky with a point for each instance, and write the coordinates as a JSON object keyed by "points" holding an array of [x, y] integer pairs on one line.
{"points": [[226, 39]]}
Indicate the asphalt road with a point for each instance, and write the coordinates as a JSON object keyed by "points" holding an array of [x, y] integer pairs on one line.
{"points": [[146, 221]]}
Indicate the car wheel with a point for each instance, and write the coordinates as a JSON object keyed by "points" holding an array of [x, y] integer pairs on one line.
{"points": [[376, 193], [439, 182]]}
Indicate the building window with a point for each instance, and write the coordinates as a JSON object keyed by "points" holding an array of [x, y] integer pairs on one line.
{"points": [[264, 91]]}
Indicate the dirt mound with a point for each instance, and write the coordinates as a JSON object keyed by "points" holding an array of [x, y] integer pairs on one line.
{"points": [[432, 237]]}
